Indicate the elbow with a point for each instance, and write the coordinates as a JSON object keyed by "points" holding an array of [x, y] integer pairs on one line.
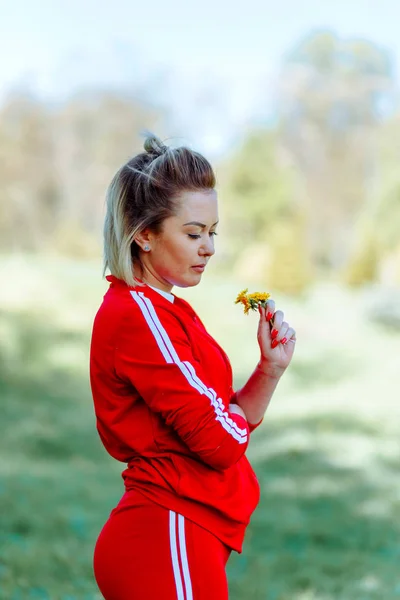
{"points": [[222, 445], [222, 458]]}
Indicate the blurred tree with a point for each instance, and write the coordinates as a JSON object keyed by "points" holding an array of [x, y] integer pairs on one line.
{"points": [[376, 235], [56, 163], [363, 264], [30, 200], [262, 220], [333, 95], [385, 213], [290, 270], [257, 190], [97, 134]]}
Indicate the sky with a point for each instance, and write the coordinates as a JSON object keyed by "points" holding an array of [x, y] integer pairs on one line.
{"points": [[214, 61]]}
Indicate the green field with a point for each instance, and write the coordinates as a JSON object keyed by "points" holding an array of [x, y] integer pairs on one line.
{"points": [[327, 455]]}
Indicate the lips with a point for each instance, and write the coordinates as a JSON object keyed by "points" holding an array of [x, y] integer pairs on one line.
{"points": [[199, 268]]}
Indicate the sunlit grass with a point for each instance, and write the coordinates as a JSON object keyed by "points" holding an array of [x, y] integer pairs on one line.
{"points": [[327, 455]]}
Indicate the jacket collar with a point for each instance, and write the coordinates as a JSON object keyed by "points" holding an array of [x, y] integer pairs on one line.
{"points": [[120, 282]]}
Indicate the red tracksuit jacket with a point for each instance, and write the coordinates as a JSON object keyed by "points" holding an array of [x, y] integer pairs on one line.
{"points": [[161, 387]]}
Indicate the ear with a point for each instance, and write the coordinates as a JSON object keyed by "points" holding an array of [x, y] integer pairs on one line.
{"points": [[143, 238]]}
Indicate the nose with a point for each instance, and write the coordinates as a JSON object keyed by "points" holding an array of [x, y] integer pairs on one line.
{"points": [[207, 249]]}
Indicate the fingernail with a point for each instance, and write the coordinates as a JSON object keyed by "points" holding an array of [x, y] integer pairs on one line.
{"points": [[274, 333], [269, 316], [274, 343], [283, 341]]}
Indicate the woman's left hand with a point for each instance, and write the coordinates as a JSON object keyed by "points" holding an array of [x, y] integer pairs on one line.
{"points": [[277, 340]]}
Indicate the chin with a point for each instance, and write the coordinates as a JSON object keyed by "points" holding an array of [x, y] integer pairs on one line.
{"points": [[188, 282]]}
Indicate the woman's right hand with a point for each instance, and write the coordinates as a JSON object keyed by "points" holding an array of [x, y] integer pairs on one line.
{"points": [[277, 340], [235, 408]]}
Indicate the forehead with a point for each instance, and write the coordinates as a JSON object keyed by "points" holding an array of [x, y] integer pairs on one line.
{"points": [[199, 205]]}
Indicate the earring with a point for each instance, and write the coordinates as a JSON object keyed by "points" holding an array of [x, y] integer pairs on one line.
{"points": [[146, 248]]}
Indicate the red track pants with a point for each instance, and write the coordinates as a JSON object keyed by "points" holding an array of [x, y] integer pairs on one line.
{"points": [[147, 552]]}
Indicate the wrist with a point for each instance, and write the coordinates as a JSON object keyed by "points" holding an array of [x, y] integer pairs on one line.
{"points": [[270, 371]]}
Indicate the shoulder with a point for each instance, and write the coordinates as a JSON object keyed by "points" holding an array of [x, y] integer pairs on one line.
{"points": [[142, 308], [151, 321], [152, 311]]}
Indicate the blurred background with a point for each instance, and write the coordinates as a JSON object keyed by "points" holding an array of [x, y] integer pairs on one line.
{"points": [[296, 104]]}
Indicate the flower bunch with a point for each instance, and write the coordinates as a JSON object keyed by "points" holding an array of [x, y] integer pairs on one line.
{"points": [[252, 301]]}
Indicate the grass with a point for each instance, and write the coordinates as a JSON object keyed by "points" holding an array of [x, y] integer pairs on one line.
{"points": [[327, 455]]}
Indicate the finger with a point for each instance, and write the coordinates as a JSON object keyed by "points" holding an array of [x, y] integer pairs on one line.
{"points": [[277, 323], [270, 309], [263, 325], [282, 335], [261, 312], [290, 336], [264, 328]]}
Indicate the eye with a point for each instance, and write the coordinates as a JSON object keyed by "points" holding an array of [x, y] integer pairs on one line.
{"points": [[196, 236]]}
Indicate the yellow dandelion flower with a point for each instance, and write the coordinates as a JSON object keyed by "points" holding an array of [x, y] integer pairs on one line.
{"points": [[251, 301], [259, 296], [241, 296]]}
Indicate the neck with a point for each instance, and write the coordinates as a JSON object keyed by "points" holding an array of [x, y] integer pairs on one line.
{"points": [[143, 275]]}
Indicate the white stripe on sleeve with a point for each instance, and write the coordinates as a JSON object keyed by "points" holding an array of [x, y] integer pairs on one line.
{"points": [[216, 402], [155, 332], [169, 353]]}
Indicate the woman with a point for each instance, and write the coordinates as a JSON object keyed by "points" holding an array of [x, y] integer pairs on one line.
{"points": [[162, 389]]}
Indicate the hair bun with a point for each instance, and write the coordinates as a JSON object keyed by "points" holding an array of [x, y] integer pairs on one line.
{"points": [[153, 145]]}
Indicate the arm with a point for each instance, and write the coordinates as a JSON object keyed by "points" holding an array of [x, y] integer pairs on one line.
{"points": [[277, 347], [254, 397], [154, 354]]}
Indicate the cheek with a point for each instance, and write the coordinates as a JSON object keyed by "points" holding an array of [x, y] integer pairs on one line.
{"points": [[182, 248], [178, 252], [185, 249]]}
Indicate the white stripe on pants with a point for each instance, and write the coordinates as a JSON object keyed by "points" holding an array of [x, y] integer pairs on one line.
{"points": [[178, 549]]}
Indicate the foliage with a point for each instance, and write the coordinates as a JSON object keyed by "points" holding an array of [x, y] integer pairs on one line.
{"points": [[290, 268], [385, 213], [264, 214], [56, 163], [332, 91], [331, 157], [363, 266], [256, 190], [330, 153]]}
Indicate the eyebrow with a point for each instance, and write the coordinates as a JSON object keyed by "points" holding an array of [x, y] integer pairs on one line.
{"points": [[198, 224]]}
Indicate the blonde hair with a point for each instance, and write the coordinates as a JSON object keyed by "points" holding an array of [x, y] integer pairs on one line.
{"points": [[142, 194]]}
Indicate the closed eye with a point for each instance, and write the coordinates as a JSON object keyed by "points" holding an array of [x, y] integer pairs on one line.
{"points": [[196, 236]]}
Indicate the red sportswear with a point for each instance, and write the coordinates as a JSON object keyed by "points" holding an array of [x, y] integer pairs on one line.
{"points": [[161, 388]]}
